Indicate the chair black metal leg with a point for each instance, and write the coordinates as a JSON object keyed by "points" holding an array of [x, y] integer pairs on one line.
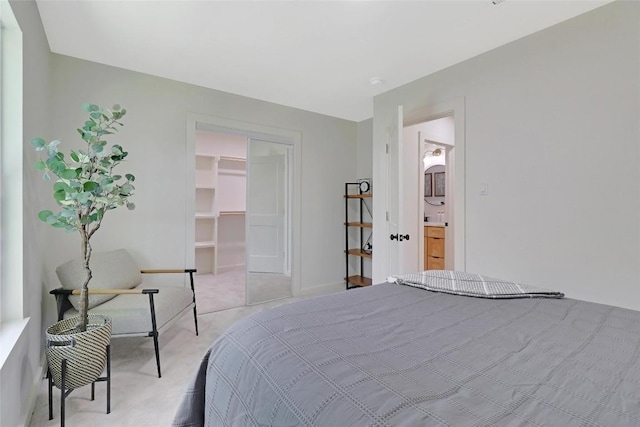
{"points": [[195, 318], [155, 343], [155, 333], [93, 390], [193, 290]]}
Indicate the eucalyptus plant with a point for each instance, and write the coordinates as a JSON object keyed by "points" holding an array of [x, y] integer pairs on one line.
{"points": [[85, 185]]}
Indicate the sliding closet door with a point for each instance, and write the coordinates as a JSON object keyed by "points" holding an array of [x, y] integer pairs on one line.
{"points": [[268, 207]]}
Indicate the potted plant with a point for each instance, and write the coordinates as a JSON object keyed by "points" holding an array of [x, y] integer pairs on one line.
{"points": [[85, 187]]}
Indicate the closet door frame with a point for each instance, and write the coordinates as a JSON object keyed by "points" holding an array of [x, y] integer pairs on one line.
{"points": [[292, 138]]}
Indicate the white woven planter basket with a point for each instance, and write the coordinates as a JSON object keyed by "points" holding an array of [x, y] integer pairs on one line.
{"points": [[85, 352]]}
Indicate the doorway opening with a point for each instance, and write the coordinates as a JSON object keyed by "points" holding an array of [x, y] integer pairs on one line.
{"points": [[404, 172], [220, 210], [242, 214], [435, 144]]}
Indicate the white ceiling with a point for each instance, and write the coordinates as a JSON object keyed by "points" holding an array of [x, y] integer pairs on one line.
{"points": [[314, 55]]}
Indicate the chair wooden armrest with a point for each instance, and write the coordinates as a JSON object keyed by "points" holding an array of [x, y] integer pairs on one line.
{"points": [[62, 296], [116, 291]]}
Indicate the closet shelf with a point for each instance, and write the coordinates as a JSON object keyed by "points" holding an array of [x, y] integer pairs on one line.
{"points": [[225, 213], [201, 245], [205, 215]]}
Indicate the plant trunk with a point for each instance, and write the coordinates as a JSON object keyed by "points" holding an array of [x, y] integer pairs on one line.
{"points": [[84, 292]]}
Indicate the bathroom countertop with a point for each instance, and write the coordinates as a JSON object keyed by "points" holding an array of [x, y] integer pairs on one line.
{"points": [[434, 224]]}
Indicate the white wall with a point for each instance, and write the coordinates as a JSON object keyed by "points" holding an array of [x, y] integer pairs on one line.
{"points": [[540, 113], [365, 150], [439, 130], [22, 372], [155, 137]]}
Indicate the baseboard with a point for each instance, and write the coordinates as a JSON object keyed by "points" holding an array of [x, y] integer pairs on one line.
{"points": [[225, 268], [35, 390]]}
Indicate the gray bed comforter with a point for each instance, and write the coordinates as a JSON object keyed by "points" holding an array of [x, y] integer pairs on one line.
{"points": [[393, 355]]}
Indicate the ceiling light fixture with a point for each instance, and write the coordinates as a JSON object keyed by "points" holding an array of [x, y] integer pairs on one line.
{"points": [[376, 81], [496, 2]]}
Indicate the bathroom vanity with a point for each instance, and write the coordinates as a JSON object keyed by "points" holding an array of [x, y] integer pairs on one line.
{"points": [[433, 246]]}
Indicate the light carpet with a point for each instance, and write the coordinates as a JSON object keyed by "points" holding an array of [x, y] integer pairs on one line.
{"points": [[138, 397], [228, 289]]}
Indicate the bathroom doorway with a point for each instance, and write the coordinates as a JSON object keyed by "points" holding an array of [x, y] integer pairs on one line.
{"points": [[436, 142], [404, 169]]}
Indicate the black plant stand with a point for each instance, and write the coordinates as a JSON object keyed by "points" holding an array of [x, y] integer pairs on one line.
{"points": [[64, 392]]}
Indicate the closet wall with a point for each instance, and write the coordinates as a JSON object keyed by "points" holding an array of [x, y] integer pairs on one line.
{"points": [[221, 181]]}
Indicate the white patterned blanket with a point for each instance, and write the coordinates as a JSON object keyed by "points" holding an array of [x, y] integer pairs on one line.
{"points": [[471, 284]]}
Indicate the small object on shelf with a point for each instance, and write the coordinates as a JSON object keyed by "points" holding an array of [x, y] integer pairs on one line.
{"points": [[364, 185], [362, 248]]}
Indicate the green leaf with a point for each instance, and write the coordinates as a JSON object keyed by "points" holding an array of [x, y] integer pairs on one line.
{"points": [[68, 213], [40, 165], [116, 107], [90, 186], [62, 186], [43, 215], [68, 174], [56, 166], [83, 197], [131, 206], [93, 108], [96, 148], [116, 177], [38, 143], [60, 195], [126, 189], [130, 177], [74, 156]]}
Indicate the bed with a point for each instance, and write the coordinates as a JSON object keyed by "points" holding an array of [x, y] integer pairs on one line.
{"points": [[396, 355]]}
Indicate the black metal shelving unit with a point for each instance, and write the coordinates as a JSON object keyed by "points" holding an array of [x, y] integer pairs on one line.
{"points": [[362, 248]]}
